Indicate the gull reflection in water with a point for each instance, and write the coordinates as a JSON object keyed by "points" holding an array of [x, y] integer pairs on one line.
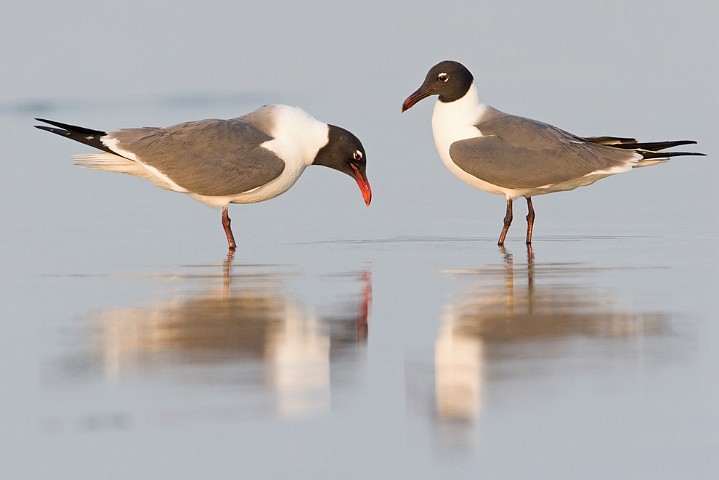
{"points": [[515, 321], [241, 329]]}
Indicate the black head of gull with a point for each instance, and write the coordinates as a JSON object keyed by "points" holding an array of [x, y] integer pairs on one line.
{"points": [[247, 159], [519, 157], [344, 152], [449, 80]]}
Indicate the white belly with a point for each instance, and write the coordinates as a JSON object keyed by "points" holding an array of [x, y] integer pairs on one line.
{"points": [[276, 187], [455, 121]]}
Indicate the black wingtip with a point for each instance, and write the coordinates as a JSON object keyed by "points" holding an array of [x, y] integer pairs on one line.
{"points": [[650, 146], [84, 135], [50, 122], [650, 155], [56, 131], [43, 127], [72, 128]]}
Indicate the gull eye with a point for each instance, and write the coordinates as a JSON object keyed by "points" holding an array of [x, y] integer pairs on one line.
{"points": [[357, 155], [442, 77]]}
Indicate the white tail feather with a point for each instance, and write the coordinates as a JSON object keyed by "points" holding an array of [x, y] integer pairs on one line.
{"points": [[106, 161], [651, 161], [116, 163]]}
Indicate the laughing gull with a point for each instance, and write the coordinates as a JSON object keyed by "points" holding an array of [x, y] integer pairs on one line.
{"points": [[247, 159], [519, 157]]}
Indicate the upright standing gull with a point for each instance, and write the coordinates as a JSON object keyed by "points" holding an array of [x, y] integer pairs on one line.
{"points": [[519, 157], [247, 159]]}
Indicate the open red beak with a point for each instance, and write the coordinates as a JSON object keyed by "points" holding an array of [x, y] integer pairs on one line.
{"points": [[414, 98], [363, 184]]}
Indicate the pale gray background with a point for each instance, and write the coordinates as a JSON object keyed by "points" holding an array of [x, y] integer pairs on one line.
{"points": [[628, 391]]}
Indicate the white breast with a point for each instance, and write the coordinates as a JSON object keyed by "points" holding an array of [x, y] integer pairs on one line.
{"points": [[453, 121], [456, 120]]}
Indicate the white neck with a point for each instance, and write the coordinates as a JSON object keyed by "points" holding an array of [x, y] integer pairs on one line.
{"points": [[452, 121], [298, 136]]}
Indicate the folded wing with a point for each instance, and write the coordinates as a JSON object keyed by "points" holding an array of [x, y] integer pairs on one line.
{"points": [[207, 157]]}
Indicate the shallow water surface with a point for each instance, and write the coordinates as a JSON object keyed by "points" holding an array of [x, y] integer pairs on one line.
{"points": [[443, 351], [395, 341]]}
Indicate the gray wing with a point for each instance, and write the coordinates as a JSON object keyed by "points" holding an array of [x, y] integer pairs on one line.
{"points": [[207, 157], [523, 131], [517, 152]]}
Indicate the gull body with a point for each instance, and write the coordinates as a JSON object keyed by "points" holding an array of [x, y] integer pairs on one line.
{"points": [[515, 156], [247, 159]]}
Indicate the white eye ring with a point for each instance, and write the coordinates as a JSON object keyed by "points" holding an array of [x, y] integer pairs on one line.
{"points": [[357, 155], [442, 77]]}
